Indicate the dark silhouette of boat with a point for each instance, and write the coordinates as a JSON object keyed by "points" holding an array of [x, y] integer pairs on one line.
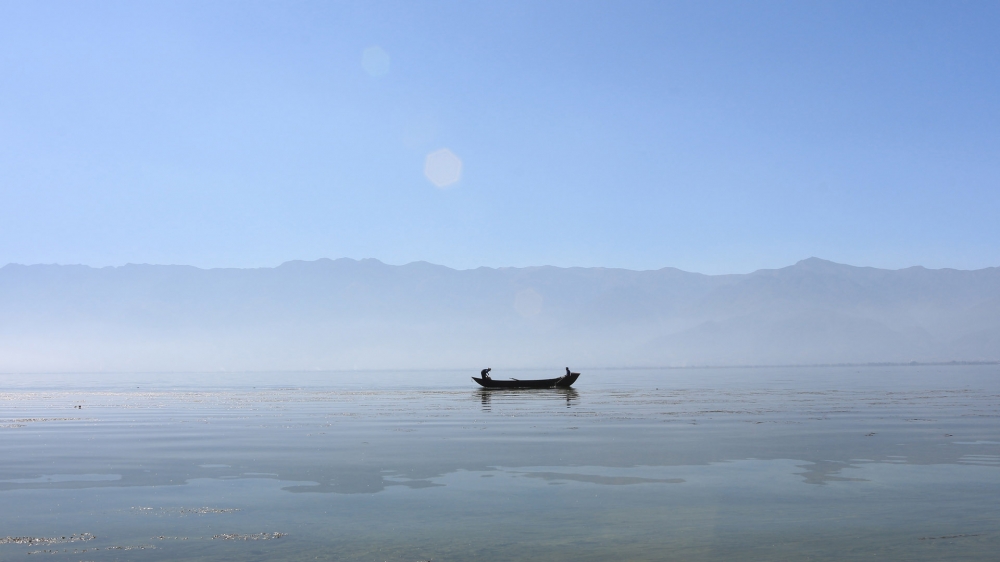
{"points": [[564, 381]]}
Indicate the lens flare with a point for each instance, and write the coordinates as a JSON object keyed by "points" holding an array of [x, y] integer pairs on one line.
{"points": [[443, 168], [528, 303], [375, 61]]}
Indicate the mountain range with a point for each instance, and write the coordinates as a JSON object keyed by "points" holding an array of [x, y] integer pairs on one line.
{"points": [[363, 314]]}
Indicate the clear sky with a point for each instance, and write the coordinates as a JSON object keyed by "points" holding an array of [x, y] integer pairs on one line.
{"points": [[711, 136]]}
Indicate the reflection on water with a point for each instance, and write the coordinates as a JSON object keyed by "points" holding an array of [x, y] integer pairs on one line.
{"points": [[486, 395], [693, 464]]}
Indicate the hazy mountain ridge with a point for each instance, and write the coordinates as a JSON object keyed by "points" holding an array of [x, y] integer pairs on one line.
{"points": [[345, 314]]}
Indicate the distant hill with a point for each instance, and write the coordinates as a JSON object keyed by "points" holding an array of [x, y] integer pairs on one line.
{"points": [[347, 314]]}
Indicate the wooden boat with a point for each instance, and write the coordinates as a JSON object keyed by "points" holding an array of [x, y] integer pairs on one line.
{"points": [[564, 381]]}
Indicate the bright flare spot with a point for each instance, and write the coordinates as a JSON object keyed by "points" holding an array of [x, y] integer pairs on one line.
{"points": [[375, 61], [443, 168], [528, 303]]}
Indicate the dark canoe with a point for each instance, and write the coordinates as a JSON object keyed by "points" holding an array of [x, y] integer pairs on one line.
{"points": [[565, 381]]}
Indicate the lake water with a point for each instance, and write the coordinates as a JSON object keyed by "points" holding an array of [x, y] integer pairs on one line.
{"points": [[684, 464]]}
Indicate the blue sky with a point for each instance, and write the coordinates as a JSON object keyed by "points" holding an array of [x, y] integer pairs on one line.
{"points": [[711, 136]]}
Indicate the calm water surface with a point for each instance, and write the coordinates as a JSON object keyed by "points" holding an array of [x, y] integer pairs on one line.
{"points": [[696, 464]]}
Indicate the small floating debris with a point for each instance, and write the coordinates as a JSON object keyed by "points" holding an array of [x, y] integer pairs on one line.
{"points": [[35, 420], [47, 540], [203, 510], [255, 537], [166, 538], [186, 510], [78, 551], [20, 422], [948, 537]]}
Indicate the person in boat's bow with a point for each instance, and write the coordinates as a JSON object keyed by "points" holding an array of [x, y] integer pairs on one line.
{"points": [[486, 373], [567, 372]]}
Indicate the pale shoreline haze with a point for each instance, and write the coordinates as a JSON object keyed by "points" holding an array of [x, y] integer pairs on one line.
{"points": [[364, 314]]}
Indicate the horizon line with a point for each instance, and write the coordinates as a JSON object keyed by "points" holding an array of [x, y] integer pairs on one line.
{"points": [[811, 259], [952, 363]]}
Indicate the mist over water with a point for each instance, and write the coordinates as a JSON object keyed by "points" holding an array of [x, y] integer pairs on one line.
{"points": [[692, 464], [346, 314]]}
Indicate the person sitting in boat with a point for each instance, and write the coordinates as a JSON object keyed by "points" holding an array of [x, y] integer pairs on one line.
{"points": [[567, 372], [486, 373]]}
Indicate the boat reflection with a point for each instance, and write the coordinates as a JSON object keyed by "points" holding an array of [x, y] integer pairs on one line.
{"points": [[486, 396]]}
